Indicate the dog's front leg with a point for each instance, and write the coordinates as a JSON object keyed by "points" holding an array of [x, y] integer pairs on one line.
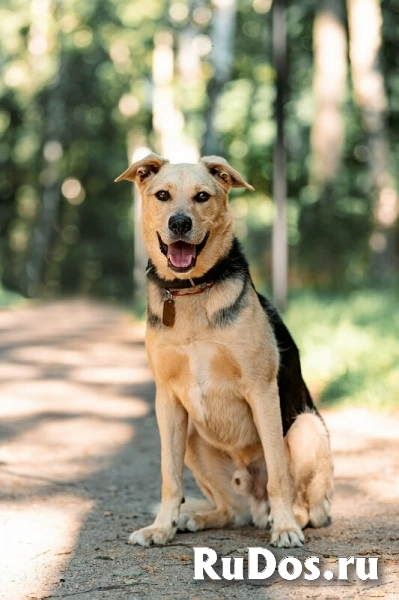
{"points": [[265, 405], [172, 422]]}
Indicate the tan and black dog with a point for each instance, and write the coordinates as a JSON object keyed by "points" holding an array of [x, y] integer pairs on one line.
{"points": [[230, 399]]}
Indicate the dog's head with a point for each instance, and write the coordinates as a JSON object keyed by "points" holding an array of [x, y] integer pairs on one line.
{"points": [[187, 225]]}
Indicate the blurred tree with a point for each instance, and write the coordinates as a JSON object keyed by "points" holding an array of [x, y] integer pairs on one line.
{"points": [[280, 248], [223, 29], [87, 246], [78, 90], [189, 93], [365, 29], [40, 40], [327, 139], [329, 84]]}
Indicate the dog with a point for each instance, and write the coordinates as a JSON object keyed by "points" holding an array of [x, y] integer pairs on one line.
{"points": [[230, 398]]}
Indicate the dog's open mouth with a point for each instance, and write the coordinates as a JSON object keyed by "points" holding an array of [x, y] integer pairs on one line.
{"points": [[181, 255]]}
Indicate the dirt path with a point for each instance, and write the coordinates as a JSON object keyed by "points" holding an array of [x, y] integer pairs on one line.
{"points": [[79, 469]]}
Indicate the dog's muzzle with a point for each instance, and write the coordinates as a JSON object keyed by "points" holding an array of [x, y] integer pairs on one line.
{"points": [[181, 255]]}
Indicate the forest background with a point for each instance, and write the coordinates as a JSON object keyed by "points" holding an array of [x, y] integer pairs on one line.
{"points": [[87, 87]]}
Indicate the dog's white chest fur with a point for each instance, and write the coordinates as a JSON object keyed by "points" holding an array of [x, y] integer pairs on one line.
{"points": [[207, 381]]}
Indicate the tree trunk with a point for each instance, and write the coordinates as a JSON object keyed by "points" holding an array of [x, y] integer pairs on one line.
{"points": [[324, 255], [280, 246], [168, 119], [188, 76], [365, 21], [32, 276], [222, 35], [330, 60]]}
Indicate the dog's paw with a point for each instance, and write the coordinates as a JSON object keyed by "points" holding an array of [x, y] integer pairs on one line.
{"points": [[260, 511], [182, 521], [149, 536], [287, 537], [260, 519], [301, 515], [319, 515], [190, 523]]}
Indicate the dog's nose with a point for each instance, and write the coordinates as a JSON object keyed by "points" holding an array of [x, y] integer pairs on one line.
{"points": [[180, 224]]}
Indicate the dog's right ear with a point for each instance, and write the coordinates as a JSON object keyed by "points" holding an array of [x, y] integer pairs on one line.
{"points": [[142, 170]]}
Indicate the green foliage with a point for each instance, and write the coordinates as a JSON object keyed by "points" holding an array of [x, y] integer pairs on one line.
{"points": [[75, 94], [349, 346], [61, 121], [8, 299]]}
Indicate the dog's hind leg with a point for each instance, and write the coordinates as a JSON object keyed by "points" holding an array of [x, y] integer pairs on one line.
{"points": [[213, 470], [310, 466]]}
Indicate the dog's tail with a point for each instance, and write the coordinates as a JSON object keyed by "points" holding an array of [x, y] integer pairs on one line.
{"points": [[190, 506], [196, 505]]}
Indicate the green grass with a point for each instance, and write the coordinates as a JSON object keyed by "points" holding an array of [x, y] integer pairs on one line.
{"points": [[349, 347], [138, 308], [8, 299]]}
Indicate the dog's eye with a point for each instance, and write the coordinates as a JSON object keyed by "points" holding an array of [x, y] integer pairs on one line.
{"points": [[202, 197], [162, 195]]}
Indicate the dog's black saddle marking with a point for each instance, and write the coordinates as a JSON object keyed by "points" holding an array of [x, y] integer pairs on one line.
{"points": [[294, 395]]}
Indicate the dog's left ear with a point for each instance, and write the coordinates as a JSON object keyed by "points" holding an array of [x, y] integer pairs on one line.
{"points": [[141, 171], [224, 174]]}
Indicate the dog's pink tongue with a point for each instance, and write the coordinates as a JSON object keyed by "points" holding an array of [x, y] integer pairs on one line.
{"points": [[181, 254]]}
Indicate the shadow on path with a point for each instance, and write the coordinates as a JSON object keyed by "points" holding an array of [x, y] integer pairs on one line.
{"points": [[79, 471]]}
